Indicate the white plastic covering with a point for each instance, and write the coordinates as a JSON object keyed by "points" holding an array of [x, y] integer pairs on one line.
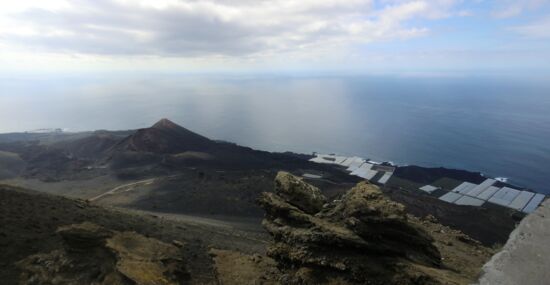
{"points": [[428, 188], [346, 162], [350, 160], [464, 188], [367, 174], [339, 159], [450, 197], [459, 187], [521, 200], [469, 201], [488, 193], [481, 187], [361, 173], [476, 195], [362, 169], [370, 174], [504, 196], [365, 171], [356, 163], [384, 179], [534, 203]]}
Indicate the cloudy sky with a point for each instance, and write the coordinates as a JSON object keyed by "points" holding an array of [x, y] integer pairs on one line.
{"points": [[267, 35]]}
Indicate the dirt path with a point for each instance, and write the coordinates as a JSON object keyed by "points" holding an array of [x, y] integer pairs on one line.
{"points": [[235, 233], [118, 188], [252, 225]]}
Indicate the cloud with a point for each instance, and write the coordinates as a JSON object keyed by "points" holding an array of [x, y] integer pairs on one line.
{"points": [[172, 28], [465, 13], [539, 29], [512, 8]]}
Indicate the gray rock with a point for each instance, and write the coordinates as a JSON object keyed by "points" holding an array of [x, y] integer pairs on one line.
{"points": [[525, 258], [298, 193], [362, 237]]}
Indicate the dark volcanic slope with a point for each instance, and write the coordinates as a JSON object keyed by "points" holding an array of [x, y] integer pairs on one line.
{"points": [[425, 175], [60, 156], [29, 220], [163, 148], [489, 224], [165, 137], [171, 146], [94, 146]]}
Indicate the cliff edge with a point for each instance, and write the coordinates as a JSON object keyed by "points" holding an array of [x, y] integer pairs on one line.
{"points": [[525, 258]]}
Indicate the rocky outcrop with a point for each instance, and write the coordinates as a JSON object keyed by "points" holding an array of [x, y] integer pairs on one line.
{"points": [[95, 255], [361, 238], [298, 193]]}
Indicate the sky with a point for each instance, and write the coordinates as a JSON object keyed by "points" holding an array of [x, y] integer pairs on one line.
{"points": [[278, 35]]}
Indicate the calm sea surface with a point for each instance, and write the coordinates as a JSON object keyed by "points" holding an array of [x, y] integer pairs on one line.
{"points": [[498, 126]]}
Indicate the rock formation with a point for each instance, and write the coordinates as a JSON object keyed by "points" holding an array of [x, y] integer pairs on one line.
{"points": [[95, 255], [361, 238]]}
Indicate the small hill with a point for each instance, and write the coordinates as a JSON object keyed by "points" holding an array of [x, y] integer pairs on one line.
{"points": [[170, 145], [161, 149], [164, 137]]}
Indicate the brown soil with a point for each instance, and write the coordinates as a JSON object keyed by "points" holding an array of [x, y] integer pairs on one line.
{"points": [[235, 268], [30, 219]]}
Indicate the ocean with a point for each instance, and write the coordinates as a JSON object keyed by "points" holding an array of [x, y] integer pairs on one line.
{"points": [[499, 126]]}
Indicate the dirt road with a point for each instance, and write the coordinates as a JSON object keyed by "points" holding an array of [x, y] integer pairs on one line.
{"points": [[121, 187]]}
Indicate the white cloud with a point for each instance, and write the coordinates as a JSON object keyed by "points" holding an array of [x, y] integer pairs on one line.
{"points": [[539, 29], [465, 13], [513, 8], [209, 28]]}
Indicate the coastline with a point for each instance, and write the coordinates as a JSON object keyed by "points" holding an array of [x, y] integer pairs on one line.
{"points": [[471, 188]]}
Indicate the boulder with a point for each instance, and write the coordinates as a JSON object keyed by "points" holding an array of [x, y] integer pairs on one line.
{"points": [[298, 193], [362, 238]]}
